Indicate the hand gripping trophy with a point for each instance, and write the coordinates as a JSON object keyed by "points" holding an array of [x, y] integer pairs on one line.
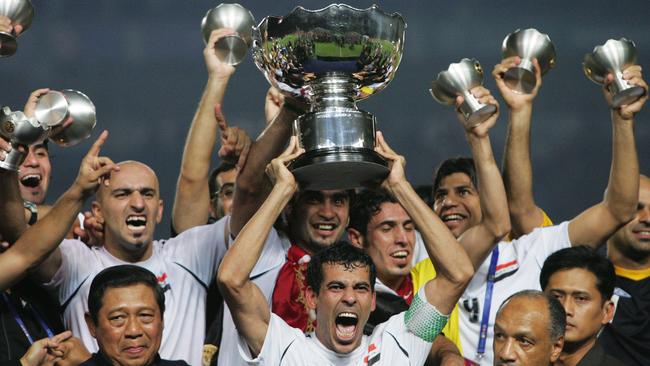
{"points": [[332, 58], [21, 13], [66, 117]]}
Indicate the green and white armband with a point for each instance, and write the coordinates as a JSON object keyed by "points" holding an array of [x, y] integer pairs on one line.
{"points": [[423, 319]]}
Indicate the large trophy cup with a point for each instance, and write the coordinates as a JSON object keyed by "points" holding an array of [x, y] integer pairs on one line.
{"points": [[612, 58], [527, 44], [20, 12], [458, 80], [332, 58]]}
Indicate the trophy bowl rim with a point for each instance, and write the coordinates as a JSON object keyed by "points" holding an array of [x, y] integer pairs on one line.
{"points": [[442, 73]]}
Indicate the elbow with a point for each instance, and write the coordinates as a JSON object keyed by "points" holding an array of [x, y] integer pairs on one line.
{"points": [[462, 275], [228, 282], [501, 227], [622, 211]]}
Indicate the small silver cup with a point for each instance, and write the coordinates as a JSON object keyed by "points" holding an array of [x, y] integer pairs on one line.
{"points": [[21, 12], [70, 114], [19, 130], [613, 57], [457, 80], [528, 44], [233, 48]]}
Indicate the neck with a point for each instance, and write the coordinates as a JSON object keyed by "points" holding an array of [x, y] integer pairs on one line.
{"points": [[633, 260], [573, 352], [392, 282], [135, 256]]}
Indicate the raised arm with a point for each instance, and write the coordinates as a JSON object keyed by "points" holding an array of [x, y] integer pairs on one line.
{"points": [[252, 186], [596, 224], [191, 202], [453, 267], [525, 215], [41, 239], [250, 311], [495, 221]]}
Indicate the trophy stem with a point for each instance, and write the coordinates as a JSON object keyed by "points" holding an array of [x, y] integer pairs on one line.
{"points": [[623, 92], [13, 160], [333, 90], [8, 45]]}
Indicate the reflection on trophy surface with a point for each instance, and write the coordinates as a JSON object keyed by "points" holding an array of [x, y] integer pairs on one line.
{"points": [[458, 80], [332, 58], [69, 113], [21, 12], [612, 58], [233, 48], [528, 44], [19, 130]]}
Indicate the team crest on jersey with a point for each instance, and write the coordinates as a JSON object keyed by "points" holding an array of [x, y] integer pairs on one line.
{"points": [[373, 355], [162, 281]]}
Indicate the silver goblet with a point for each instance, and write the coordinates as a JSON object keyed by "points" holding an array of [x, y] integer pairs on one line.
{"points": [[230, 49], [612, 58], [458, 80], [70, 114], [20, 12], [332, 58], [19, 130], [528, 44]]}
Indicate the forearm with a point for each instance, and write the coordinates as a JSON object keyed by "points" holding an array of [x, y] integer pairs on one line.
{"points": [[622, 192], [12, 218], [191, 203], [518, 173], [444, 353]]}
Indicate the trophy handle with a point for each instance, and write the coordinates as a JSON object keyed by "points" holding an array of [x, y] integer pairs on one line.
{"points": [[8, 44]]}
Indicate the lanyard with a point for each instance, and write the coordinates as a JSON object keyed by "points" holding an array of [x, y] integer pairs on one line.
{"points": [[487, 303], [20, 321]]}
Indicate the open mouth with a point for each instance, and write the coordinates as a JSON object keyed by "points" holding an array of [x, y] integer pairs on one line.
{"points": [[31, 180], [452, 218], [136, 223], [400, 254], [346, 326], [324, 229], [643, 234]]}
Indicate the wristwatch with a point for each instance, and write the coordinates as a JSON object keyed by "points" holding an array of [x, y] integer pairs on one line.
{"points": [[33, 209]]}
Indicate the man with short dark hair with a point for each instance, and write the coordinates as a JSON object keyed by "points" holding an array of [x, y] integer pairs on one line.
{"points": [[583, 282], [529, 330], [222, 190], [125, 315]]}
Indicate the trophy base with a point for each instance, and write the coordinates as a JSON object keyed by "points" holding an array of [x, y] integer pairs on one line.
{"points": [[8, 44], [231, 49], [627, 96], [520, 80], [480, 115], [336, 168]]}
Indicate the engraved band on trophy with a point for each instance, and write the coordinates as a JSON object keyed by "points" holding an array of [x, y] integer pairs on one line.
{"points": [[66, 117], [528, 44], [21, 13], [230, 49], [458, 80], [613, 57], [332, 58]]}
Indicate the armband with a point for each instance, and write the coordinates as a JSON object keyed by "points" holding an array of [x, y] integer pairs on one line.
{"points": [[423, 319]]}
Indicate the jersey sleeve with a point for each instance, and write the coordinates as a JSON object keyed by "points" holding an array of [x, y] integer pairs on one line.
{"points": [[279, 337], [543, 242], [75, 259]]}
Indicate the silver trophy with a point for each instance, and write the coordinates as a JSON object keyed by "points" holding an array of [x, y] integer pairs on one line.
{"points": [[21, 12], [70, 114], [19, 130], [458, 80], [233, 48], [527, 44], [612, 58], [332, 58]]}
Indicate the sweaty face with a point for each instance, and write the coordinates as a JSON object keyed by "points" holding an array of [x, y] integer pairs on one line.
{"points": [[522, 334], [34, 175], [222, 202], [319, 218], [457, 203], [130, 208], [633, 239], [585, 309], [343, 306], [129, 325], [389, 242]]}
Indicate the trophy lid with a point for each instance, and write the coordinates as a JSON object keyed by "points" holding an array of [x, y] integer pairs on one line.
{"points": [[302, 46]]}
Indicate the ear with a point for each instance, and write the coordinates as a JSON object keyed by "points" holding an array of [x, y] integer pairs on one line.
{"points": [[355, 237], [608, 312], [312, 298], [160, 212], [96, 208], [557, 349], [90, 324]]}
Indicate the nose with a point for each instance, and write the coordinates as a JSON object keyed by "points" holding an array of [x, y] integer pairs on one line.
{"points": [[506, 353], [349, 297], [401, 236], [568, 305], [326, 209], [644, 214], [30, 159], [133, 328], [136, 201]]}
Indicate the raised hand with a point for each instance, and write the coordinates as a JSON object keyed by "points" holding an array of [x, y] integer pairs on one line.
{"points": [[216, 68], [235, 142], [396, 163], [43, 352], [94, 168], [513, 99], [277, 170], [633, 76], [483, 96], [272, 104], [7, 27], [92, 234]]}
